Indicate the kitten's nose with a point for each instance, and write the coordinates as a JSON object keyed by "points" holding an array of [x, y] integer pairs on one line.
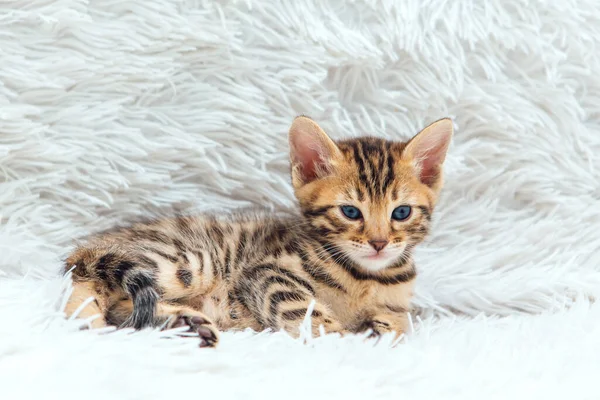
{"points": [[379, 244]]}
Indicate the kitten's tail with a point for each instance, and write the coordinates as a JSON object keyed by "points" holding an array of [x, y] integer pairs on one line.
{"points": [[139, 284], [106, 270]]}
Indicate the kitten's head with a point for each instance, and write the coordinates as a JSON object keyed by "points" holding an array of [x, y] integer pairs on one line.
{"points": [[368, 200]]}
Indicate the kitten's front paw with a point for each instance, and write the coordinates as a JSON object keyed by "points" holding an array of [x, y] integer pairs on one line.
{"points": [[208, 333]]}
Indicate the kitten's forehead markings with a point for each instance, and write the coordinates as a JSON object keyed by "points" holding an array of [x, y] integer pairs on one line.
{"points": [[349, 193], [346, 198], [406, 196]]}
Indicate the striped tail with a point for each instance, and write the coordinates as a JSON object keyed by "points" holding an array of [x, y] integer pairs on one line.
{"points": [[139, 285]]}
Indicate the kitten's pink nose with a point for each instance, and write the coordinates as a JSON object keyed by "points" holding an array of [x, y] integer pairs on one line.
{"points": [[378, 244]]}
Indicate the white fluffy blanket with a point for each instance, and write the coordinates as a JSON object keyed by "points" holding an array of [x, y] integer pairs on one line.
{"points": [[111, 110]]}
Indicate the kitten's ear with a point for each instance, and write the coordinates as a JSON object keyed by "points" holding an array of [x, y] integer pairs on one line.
{"points": [[427, 152], [312, 152]]}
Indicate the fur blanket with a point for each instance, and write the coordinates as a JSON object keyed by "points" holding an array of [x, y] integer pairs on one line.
{"points": [[114, 110]]}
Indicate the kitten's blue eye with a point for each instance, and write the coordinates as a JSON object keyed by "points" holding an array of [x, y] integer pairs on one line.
{"points": [[401, 213], [351, 212]]}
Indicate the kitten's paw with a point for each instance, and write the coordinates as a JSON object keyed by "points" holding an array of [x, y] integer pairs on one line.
{"points": [[199, 324], [377, 328], [329, 325]]}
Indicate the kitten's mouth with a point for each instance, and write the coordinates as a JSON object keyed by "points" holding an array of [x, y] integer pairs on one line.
{"points": [[375, 261], [377, 256]]}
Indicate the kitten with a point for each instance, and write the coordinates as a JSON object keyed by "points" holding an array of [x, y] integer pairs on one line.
{"points": [[365, 203]]}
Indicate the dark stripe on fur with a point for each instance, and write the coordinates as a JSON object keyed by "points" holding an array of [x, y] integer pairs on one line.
{"points": [[181, 248], [216, 265], [279, 297], [338, 227], [184, 225], [152, 235], [290, 247], [185, 277], [374, 154], [166, 256], [318, 274], [227, 261], [396, 309], [122, 268], [292, 315], [251, 274], [215, 233], [103, 267], [298, 280], [361, 166], [370, 169], [276, 279], [200, 256], [389, 176], [317, 212], [244, 296], [241, 246], [323, 277], [425, 211], [360, 194]]}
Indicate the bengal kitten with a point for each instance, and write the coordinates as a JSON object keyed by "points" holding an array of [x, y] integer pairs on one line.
{"points": [[365, 204]]}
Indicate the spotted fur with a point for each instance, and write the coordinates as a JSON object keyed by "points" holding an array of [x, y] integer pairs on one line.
{"points": [[257, 271]]}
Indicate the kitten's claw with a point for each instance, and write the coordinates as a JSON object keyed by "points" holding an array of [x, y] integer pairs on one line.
{"points": [[199, 321], [179, 322], [376, 327], [209, 336]]}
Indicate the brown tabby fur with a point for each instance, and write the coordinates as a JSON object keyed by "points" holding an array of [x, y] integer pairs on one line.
{"points": [[256, 271]]}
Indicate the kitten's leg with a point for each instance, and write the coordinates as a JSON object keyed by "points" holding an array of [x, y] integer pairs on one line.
{"points": [[290, 316], [93, 311], [169, 316], [280, 299]]}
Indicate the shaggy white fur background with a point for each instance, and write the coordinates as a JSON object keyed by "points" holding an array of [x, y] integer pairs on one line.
{"points": [[111, 110]]}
